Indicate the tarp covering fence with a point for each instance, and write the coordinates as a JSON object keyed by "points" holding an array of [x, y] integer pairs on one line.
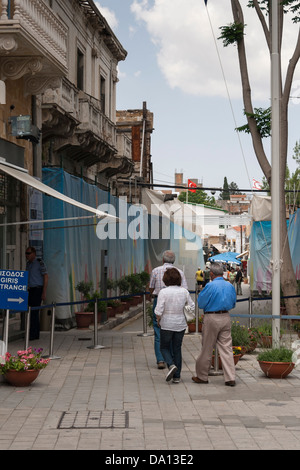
{"points": [[73, 249]]}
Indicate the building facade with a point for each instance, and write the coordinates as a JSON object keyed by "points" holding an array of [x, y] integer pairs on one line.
{"points": [[58, 80]]}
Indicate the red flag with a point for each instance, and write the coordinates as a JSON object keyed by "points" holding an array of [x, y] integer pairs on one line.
{"points": [[256, 184], [191, 184]]}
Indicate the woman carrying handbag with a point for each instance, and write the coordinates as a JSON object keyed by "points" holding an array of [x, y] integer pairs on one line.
{"points": [[171, 319]]}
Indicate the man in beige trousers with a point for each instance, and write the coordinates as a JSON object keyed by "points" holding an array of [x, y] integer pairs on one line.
{"points": [[216, 299]]}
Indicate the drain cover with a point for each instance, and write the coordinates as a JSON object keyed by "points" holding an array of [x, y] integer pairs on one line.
{"points": [[109, 419]]}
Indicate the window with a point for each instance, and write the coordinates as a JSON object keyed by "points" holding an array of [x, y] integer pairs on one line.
{"points": [[80, 69], [102, 93]]}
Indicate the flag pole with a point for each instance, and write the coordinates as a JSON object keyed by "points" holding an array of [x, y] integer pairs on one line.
{"points": [[275, 175]]}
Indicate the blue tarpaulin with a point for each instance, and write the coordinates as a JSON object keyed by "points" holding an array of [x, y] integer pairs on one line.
{"points": [[227, 257], [259, 265]]}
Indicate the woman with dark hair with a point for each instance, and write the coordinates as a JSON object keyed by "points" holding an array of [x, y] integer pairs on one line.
{"points": [[171, 319]]}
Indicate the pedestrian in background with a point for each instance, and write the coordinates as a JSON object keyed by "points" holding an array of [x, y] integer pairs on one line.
{"points": [[206, 274], [232, 275], [238, 281], [155, 285], [216, 299], [200, 277], [37, 287], [172, 322]]}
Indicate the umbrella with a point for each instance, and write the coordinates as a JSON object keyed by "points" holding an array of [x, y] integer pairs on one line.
{"points": [[228, 257]]}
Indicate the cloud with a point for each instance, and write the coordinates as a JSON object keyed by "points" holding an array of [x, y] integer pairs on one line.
{"points": [[109, 15], [190, 56]]}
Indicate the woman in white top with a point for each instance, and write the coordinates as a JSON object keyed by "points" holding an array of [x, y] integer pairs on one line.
{"points": [[172, 322]]}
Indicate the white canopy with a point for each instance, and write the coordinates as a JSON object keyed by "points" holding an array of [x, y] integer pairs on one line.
{"points": [[23, 176]]}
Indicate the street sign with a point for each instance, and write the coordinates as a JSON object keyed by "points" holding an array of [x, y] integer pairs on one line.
{"points": [[14, 290]]}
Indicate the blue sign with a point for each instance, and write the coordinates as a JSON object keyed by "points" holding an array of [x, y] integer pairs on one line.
{"points": [[14, 290]]}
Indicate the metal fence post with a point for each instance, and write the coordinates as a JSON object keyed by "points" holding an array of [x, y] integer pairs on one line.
{"points": [[5, 332], [27, 328], [145, 318], [96, 346], [51, 356], [216, 370]]}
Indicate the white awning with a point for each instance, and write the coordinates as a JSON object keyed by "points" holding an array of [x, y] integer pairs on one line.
{"points": [[23, 176]]}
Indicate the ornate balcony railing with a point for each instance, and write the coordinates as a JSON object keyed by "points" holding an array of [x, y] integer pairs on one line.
{"points": [[30, 26]]}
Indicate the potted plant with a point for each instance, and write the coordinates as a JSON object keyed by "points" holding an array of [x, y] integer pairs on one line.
{"points": [[21, 370], [85, 318], [240, 336], [237, 354], [135, 287], [114, 307], [145, 278], [276, 363], [192, 324], [264, 334], [124, 286]]}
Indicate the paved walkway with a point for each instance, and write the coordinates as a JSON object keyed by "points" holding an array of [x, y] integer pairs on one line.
{"points": [[114, 398]]}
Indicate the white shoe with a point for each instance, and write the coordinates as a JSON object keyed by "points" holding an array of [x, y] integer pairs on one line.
{"points": [[172, 370], [176, 380]]}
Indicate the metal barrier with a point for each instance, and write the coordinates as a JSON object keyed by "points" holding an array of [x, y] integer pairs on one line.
{"points": [[53, 306]]}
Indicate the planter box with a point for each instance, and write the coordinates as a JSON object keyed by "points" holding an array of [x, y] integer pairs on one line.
{"points": [[276, 370], [192, 327], [84, 319]]}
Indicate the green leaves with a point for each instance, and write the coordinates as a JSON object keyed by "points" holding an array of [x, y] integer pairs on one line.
{"points": [[263, 122], [232, 33]]}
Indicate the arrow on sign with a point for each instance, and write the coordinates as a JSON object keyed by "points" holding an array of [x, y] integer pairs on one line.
{"points": [[19, 300]]}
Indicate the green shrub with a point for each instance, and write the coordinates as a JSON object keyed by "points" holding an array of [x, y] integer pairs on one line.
{"points": [[276, 355]]}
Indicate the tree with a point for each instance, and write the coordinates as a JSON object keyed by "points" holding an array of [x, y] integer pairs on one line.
{"points": [[199, 197], [228, 189], [235, 34], [225, 195]]}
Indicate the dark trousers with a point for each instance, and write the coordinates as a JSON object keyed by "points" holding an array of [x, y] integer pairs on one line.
{"points": [[34, 300], [170, 347]]}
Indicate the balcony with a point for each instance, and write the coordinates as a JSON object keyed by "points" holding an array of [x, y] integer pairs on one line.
{"points": [[33, 40], [80, 128]]}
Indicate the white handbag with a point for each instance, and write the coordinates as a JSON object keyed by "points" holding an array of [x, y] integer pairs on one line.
{"points": [[189, 312]]}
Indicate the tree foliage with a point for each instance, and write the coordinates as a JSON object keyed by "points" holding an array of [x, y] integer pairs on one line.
{"points": [[199, 197]]}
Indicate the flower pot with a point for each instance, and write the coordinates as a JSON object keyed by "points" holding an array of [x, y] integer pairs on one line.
{"points": [[266, 341], [111, 312], [243, 350], [21, 378], [135, 300], [84, 319], [236, 359], [251, 347], [120, 308], [276, 370], [192, 327]]}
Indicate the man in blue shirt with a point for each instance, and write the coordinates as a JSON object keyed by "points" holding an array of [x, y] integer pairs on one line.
{"points": [[216, 299], [37, 286]]}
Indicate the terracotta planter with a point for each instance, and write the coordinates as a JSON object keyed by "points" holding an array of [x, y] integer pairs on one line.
{"points": [[266, 341], [236, 359], [192, 327], [276, 370], [251, 346], [84, 319], [120, 308], [243, 350], [111, 312], [21, 378], [135, 300]]}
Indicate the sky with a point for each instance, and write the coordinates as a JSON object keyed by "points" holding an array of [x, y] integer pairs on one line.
{"points": [[191, 83]]}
